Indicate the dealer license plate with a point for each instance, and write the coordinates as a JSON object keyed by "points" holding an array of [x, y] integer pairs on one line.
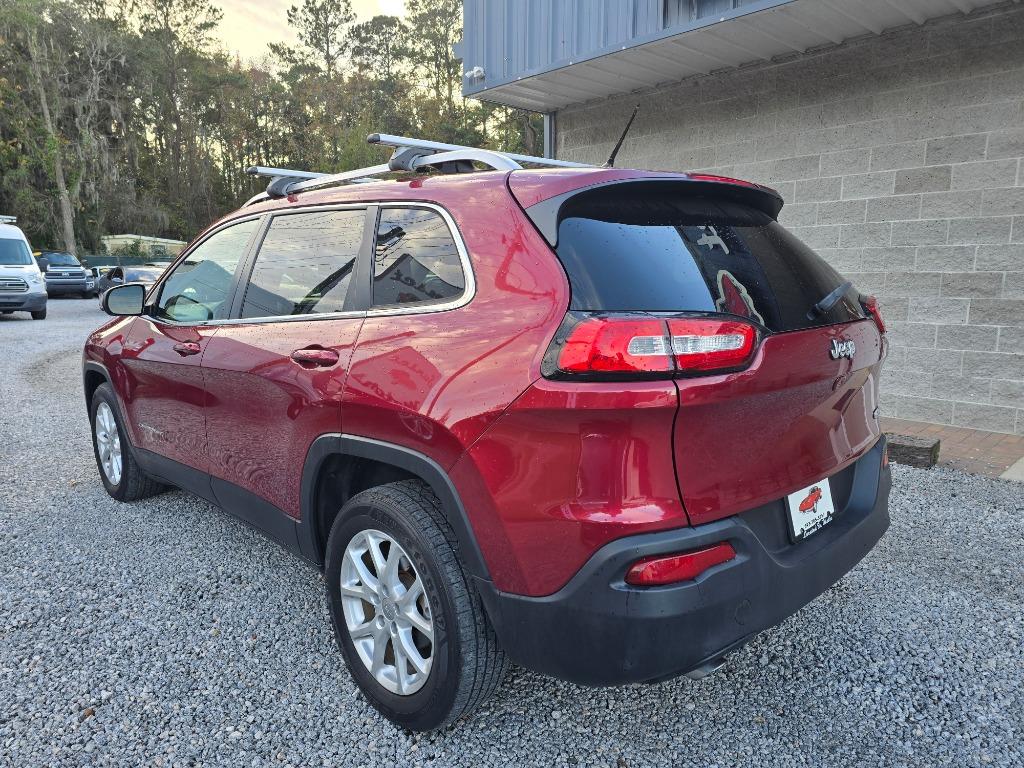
{"points": [[810, 509]]}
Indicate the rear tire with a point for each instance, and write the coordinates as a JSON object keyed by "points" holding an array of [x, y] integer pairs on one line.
{"points": [[40, 315], [129, 482], [465, 663]]}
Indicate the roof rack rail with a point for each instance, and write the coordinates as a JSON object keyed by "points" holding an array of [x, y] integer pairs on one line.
{"points": [[8, 219], [409, 155]]}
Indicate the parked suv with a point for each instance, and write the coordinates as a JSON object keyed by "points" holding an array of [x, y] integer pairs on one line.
{"points": [[21, 284], [605, 424], [65, 274]]}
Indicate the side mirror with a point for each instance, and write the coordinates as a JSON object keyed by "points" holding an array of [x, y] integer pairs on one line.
{"points": [[127, 299]]}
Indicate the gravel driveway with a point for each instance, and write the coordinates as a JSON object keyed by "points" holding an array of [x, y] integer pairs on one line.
{"points": [[166, 633]]}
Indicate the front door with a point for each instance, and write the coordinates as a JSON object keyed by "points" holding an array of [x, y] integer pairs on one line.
{"points": [[275, 377], [166, 397]]}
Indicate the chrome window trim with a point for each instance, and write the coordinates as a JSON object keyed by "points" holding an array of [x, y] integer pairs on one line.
{"points": [[467, 295]]}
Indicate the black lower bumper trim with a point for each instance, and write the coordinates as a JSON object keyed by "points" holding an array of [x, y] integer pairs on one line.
{"points": [[597, 630]]}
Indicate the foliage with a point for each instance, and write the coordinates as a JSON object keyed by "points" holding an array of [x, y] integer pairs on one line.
{"points": [[124, 115]]}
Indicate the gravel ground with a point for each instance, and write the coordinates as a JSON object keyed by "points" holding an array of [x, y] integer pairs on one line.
{"points": [[166, 633]]}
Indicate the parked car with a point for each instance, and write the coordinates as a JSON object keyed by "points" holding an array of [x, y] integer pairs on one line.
{"points": [[65, 274], [118, 275], [560, 417], [21, 283]]}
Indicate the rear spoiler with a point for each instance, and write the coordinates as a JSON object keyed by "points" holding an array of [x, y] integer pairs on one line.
{"points": [[546, 214]]}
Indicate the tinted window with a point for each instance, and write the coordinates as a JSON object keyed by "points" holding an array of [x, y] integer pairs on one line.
{"points": [[55, 259], [305, 264], [650, 249], [197, 290], [415, 259], [14, 252]]}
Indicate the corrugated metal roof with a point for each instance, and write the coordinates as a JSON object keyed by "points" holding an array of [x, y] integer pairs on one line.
{"points": [[548, 54]]}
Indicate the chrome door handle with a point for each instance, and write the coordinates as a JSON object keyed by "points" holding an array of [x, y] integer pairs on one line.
{"points": [[187, 348], [315, 357]]}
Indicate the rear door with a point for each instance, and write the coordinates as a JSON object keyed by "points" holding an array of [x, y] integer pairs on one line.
{"points": [[275, 373], [804, 407]]}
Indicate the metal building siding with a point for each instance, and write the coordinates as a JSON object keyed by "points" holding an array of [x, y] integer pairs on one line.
{"points": [[512, 37]]}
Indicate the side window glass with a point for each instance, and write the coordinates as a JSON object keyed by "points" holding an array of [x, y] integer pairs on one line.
{"points": [[415, 259], [305, 264], [197, 289]]}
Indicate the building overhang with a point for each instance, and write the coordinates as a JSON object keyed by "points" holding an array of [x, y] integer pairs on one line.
{"points": [[754, 32]]}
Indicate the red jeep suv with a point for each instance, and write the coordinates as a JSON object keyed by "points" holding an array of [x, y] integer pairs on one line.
{"points": [[565, 417]]}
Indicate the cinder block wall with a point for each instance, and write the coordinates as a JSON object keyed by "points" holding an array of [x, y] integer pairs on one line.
{"points": [[899, 158]]}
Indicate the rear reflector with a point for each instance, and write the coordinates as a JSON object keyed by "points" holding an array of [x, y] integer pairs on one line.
{"points": [[870, 304], [618, 346], [669, 569]]}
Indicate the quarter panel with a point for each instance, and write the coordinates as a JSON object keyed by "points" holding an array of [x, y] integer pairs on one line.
{"points": [[568, 468]]}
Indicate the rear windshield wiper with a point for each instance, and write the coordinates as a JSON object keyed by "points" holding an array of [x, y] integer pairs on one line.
{"points": [[831, 300]]}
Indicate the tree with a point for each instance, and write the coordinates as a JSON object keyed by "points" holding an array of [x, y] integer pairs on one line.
{"points": [[122, 116]]}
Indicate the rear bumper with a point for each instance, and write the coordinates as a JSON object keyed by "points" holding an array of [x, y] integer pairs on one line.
{"points": [[22, 302], [597, 630]]}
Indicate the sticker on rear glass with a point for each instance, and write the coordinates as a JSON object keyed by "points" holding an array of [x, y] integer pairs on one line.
{"points": [[810, 509], [733, 297]]}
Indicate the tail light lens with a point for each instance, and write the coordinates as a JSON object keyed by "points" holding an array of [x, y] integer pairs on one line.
{"points": [[615, 347], [870, 304], [670, 569], [711, 345]]}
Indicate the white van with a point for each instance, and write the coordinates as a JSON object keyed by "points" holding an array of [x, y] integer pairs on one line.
{"points": [[22, 288]]}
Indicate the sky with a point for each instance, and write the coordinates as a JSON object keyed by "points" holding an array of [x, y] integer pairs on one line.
{"points": [[249, 25]]}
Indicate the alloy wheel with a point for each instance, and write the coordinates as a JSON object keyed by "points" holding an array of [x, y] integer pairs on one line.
{"points": [[108, 443], [387, 613]]}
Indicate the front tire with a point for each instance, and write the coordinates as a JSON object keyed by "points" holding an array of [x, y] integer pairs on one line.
{"points": [[40, 315], [120, 473], [408, 621]]}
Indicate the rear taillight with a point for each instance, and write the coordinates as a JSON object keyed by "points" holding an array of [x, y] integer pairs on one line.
{"points": [[670, 569], [642, 346], [704, 344], [870, 304]]}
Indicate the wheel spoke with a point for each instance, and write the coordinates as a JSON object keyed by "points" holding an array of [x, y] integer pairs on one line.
{"points": [[380, 645], [367, 578], [373, 544], [360, 591], [411, 652], [366, 629], [401, 665]]}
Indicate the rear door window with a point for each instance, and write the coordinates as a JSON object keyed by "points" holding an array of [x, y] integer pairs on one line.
{"points": [[305, 264], [644, 248], [416, 259]]}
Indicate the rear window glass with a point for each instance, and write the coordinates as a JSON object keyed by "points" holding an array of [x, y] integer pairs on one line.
{"points": [[638, 248]]}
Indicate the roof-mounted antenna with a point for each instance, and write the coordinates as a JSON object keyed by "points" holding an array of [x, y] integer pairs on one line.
{"points": [[622, 138]]}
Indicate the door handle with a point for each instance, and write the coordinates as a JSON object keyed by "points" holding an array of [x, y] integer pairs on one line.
{"points": [[315, 357], [187, 348]]}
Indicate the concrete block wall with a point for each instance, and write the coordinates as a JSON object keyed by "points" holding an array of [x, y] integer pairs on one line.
{"points": [[900, 160]]}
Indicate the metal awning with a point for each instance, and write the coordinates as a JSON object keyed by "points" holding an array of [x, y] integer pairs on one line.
{"points": [[755, 31]]}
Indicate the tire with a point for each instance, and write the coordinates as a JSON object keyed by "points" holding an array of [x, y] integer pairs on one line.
{"points": [[131, 483], [466, 664], [40, 315]]}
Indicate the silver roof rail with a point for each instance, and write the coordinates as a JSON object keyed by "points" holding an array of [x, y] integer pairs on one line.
{"points": [[409, 155], [8, 219]]}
